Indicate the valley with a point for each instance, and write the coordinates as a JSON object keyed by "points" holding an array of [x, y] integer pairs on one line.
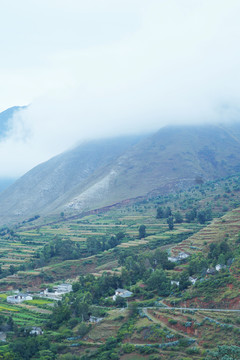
{"points": [[103, 250]]}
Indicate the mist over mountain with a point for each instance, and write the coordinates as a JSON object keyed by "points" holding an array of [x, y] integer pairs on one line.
{"points": [[104, 172], [5, 118], [41, 187]]}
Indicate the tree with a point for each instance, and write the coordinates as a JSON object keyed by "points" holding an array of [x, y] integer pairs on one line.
{"points": [[170, 222], [191, 215], [168, 212], [184, 280], [204, 215], [158, 281], [83, 329], [160, 258], [178, 217], [46, 355], [120, 302], [160, 213], [198, 264], [12, 269], [142, 231], [201, 216]]}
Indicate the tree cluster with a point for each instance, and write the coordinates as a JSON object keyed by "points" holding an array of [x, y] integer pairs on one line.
{"points": [[95, 245]]}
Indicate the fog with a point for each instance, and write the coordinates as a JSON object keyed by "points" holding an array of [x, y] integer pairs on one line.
{"points": [[110, 68]]}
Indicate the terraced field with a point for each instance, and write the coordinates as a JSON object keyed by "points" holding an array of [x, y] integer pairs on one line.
{"points": [[13, 252], [170, 333], [227, 227], [30, 313]]}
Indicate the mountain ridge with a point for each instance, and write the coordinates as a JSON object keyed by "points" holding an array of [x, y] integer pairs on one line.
{"points": [[101, 173]]}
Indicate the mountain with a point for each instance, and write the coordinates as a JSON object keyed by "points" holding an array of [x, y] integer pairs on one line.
{"points": [[104, 172], [5, 117], [41, 187], [173, 158]]}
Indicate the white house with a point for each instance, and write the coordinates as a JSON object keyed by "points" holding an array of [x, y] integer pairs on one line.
{"points": [[122, 293], [58, 291], [94, 319], [192, 279], [172, 259], [181, 256], [18, 298], [62, 289], [36, 331], [219, 267]]}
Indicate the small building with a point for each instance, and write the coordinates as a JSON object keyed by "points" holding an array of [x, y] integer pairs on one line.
{"points": [[122, 293], [173, 282], [211, 271], [181, 256], [192, 280], [219, 267], [172, 259], [18, 298], [62, 289], [57, 292], [36, 331], [94, 319]]}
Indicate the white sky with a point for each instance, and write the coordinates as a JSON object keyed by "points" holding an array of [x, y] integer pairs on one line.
{"points": [[107, 67]]}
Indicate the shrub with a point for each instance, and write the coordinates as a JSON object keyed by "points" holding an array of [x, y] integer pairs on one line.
{"points": [[128, 348]]}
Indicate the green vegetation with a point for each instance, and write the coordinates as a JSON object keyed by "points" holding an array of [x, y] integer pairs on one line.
{"points": [[128, 247]]}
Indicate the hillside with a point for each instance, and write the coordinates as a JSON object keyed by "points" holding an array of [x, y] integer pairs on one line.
{"points": [[42, 186], [100, 252], [105, 172]]}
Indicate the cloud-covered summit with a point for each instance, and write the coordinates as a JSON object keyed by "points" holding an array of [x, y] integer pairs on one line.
{"points": [[105, 68]]}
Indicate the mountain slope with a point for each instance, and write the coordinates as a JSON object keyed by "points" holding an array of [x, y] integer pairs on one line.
{"points": [[174, 157], [40, 187], [101, 173]]}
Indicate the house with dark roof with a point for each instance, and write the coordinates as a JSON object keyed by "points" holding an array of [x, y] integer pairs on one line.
{"points": [[18, 298]]}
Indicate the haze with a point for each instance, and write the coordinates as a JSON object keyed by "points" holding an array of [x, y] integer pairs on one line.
{"points": [[103, 68]]}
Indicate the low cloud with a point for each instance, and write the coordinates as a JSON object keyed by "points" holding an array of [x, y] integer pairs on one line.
{"points": [[178, 64]]}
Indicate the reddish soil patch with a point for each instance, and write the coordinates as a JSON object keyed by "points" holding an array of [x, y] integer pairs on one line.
{"points": [[230, 304], [178, 326]]}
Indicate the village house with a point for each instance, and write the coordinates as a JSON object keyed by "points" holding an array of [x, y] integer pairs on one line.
{"points": [[58, 291], [18, 298], [36, 331], [94, 319], [192, 280], [181, 256], [211, 271], [172, 259], [122, 293], [62, 289], [219, 267]]}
